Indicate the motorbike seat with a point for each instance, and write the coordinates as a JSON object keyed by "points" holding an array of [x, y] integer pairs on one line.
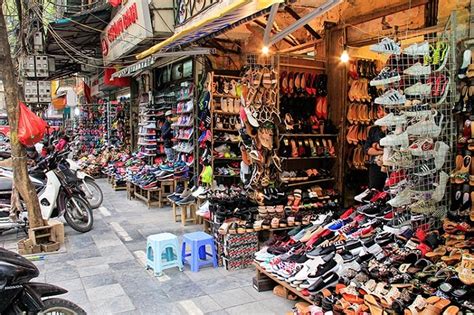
{"points": [[5, 184]]}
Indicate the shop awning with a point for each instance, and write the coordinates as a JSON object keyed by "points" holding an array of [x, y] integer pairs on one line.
{"points": [[73, 40], [228, 13]]}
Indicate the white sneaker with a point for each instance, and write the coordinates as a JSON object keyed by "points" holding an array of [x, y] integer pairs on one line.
{"points": [[251, 119], [391, 120], [151, 125], [400, 158], [386, 46], [438, 194], [417, 49], [309, 266], [418, 69], [426, 128], [422, 147], [198, 191], [441, 150], [362, 195], [419, 89], [395, 140], [391, 97], [401, 199]]}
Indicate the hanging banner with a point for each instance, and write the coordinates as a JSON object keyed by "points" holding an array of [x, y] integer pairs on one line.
{"points": [[129, 27]]}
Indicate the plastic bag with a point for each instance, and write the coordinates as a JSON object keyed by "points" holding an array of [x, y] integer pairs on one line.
{"points": [[31, 128]]}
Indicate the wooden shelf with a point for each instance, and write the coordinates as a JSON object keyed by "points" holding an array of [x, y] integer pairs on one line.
{"points": [[309, 182], [282, 283], [308, 135], [218, 175]]}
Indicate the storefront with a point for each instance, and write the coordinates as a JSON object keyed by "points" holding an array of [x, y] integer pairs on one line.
{"points": [[331, 161]]}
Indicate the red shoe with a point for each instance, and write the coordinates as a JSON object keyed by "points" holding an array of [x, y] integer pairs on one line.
{"points": [[347, 214]]}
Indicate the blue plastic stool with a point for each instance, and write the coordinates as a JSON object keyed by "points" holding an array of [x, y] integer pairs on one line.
{"points": [[162, 252], [198, 241]]}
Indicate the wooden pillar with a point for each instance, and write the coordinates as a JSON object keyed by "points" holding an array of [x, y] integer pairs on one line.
{"points": [[337, 92]]}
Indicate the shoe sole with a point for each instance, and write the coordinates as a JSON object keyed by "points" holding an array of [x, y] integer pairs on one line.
{"points": [[385, 81]]}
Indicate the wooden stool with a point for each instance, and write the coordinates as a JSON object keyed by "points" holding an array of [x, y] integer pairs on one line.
{"points": [[130, 190], [167, 188], [184, 213]]}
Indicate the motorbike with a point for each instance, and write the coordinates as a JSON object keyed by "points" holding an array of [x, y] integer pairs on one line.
{"points": [[20, 296], [58, 192], [88, 185]]}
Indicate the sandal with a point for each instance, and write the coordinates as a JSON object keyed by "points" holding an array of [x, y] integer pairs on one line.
{"points": [[454, 257]]}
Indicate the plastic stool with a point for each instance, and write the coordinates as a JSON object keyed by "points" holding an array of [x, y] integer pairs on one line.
{"points": [[197, 242], [162, 252]]}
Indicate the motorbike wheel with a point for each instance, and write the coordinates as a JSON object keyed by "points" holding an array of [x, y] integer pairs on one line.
{"points": [[93, 192], [78, 214], [61, 306]]}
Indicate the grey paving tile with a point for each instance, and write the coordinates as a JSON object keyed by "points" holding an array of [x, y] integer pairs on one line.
{"points": [[79, 297], [255, 308], [203, 274], [89, 252], [278, 305], [259, 295], [126, 265], [167, 308], [113, 305], [70, 285], [151, 299], [206, 304], [105, 292], [99, 280], [218, 284], [61, 274], [231, 298], [87, 271], [184, 291], [219, 312]]}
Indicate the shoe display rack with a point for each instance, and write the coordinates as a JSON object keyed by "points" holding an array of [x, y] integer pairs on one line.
{"points": [[92, 127], [418, 97], [225, 126], [147, 131], [307, 145], [185, 124], [361, 111]]}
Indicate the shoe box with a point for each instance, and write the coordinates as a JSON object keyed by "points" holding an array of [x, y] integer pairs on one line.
{"points": [[264, 283]]}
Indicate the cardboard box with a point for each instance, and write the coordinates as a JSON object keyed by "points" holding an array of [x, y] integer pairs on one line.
{"points": [[57, 231]]}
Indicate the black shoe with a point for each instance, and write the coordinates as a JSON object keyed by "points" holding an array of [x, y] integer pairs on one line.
{"points": [[328, 280]]}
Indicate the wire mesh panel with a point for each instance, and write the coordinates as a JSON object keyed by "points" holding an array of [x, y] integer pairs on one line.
{"points": [[416, 89]]}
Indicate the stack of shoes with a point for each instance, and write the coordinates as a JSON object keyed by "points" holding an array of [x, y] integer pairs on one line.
{"points": [[181, 198], [356, 157], [304, 175], [355, 262], [304, 147]]}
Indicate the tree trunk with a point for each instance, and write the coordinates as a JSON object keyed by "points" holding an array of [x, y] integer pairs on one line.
{"points": [[20, 170]]}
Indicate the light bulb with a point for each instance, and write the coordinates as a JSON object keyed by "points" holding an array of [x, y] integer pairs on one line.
{"points": [[344, 56], [265, 50]]}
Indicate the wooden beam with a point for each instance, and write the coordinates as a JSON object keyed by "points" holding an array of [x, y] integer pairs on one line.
{"points": [[296, 16], [375, 14], [305, 46], [262, 26]]}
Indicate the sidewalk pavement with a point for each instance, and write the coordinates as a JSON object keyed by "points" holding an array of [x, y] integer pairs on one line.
{"points": [[104, 269]]}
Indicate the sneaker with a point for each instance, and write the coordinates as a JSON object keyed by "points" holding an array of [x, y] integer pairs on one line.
{"points": [[417, 49], [422, 147], [440, 189], [425, 167], [426, 128], [386, 76], [391, 120], [365, 195], [419, 89], [418, 70], [401, 158], [391, 97], [401, 199], [395, 140], [386, 46], [441, 149], [395, 178]]}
